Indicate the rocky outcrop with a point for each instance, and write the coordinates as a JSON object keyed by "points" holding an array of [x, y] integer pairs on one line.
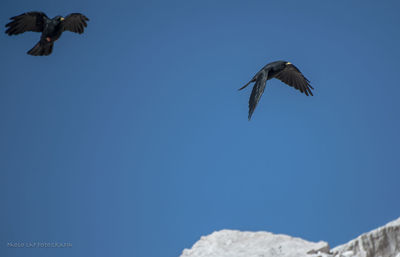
{"points": [[234, 243], [382, 242]]}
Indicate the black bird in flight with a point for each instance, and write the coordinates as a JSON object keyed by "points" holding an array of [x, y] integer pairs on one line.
{"points": [[51, 28], [282, 70]]}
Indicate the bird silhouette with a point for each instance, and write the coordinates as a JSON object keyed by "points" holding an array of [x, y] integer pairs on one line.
{"points": [[51, 29], [282, 70]]}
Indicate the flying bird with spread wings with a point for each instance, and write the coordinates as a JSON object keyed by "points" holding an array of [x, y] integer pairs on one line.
{"points": [[282, 70], [51, 29]]}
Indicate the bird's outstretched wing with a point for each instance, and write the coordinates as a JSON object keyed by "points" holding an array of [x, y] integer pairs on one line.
{"points": [[75, 22], [294, 78], [248, 83], [257, 91], [30, 21]]}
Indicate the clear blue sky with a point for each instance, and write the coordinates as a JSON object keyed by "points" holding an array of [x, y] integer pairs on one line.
{"points": [[132, 139]]}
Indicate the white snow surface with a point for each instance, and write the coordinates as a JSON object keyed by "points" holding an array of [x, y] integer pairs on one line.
{"points": [[233, 243], [381, 242]]}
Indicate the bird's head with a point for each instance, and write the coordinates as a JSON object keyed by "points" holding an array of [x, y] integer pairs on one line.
{"points": [[58, 18], [281, 64]]}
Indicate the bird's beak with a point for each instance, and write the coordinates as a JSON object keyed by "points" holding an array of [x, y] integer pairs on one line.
{"points": [[288, 63]]}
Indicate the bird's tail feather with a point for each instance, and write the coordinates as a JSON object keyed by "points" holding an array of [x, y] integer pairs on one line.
{"points": [[41, 49]]}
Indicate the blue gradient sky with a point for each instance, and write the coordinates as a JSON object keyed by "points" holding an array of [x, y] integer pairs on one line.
{"points": [[132, 139]]}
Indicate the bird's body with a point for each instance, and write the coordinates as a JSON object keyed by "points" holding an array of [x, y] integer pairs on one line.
{"points": [[282, 70], [274, 68], [51, 29]]}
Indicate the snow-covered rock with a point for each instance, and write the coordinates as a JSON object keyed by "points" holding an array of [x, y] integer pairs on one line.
{"points": [[233, 243], [382, 242]]}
